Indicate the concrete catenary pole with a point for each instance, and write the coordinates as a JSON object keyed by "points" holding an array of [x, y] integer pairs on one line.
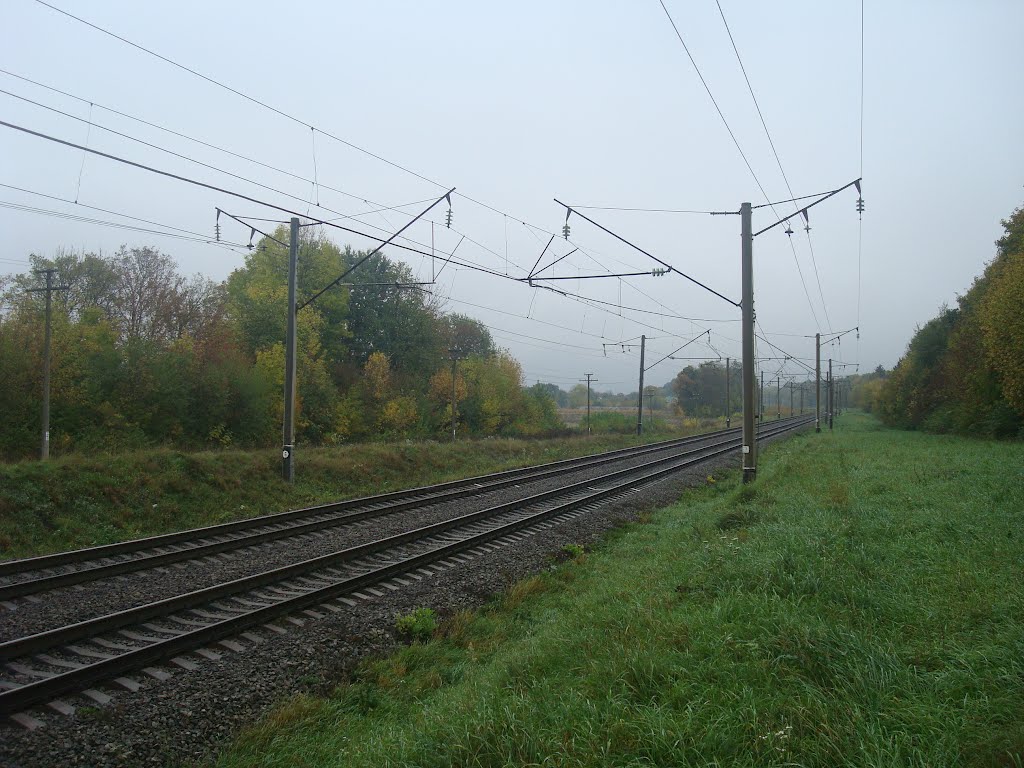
{"points": [[778, 398], [640, 397], [747, 275], [830, 402], [817, 382], [760, 407], [44, 452], [288, 431]]}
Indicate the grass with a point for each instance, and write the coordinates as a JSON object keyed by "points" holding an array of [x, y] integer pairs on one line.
{"points": [[80, 501], [859, 605]]}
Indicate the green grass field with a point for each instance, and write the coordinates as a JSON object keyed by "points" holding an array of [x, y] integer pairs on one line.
{"points": [[80, 501], [861, 604]]}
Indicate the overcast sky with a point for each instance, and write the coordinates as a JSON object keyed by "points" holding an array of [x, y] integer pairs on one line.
{"points": [[595, 103]]}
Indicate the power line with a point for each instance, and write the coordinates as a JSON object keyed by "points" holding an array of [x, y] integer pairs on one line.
{"points": [[814, 263], [782, 170], [267, 204], [340, 214], [752, 96], [782, 351], [113, 213], [113, 224], [217, 148], [710, 95], [237, 92], [195, 182], [315, 182], [644, 210], [178, 155], [338, 138], [276, 110]]}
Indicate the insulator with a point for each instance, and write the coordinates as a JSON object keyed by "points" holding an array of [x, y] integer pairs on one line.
{"points": [[448, 219], [789, 230], [860, 205], [565, 231]]}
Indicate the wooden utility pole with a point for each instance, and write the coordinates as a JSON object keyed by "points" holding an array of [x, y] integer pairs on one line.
{"points": [[44, 453], [456, 356], [589, 379]]}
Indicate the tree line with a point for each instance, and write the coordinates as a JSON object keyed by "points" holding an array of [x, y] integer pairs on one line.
{"points": [[143, 355], [963, 370]]}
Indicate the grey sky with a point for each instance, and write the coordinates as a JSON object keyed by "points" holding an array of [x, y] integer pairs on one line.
{"points": [[594, 103]]}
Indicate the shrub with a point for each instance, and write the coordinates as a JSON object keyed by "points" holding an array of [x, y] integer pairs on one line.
{"points": [[418, 625]]}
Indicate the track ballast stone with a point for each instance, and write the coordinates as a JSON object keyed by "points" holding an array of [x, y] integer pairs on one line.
{"points": [[191, 716]]}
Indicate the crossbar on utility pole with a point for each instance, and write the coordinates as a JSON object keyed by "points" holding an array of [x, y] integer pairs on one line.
{"points": [[747, 304], [288, 451], [44, 452], [640, 398]]}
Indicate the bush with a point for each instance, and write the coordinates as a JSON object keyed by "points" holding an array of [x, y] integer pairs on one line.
{"points": [[419, 625]]}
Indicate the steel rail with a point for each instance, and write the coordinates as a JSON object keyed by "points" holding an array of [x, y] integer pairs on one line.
{"points": [[19, 698], [41, 641], [323, 516]]}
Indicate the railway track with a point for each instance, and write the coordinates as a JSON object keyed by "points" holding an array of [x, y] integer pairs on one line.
{"points": [[30, 576], [68, 659]]}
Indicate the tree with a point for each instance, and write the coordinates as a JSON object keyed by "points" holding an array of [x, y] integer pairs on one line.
{"points": [[1002, 326], [700, 391]]}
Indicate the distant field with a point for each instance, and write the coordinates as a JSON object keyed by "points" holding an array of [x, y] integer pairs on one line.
{"points": [[861, 604]]}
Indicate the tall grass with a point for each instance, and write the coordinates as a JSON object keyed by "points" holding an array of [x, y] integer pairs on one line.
{"points": [[859, 605]]}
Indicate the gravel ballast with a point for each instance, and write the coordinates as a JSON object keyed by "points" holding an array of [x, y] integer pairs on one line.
{"points": [[188, 717], [68, 605]]}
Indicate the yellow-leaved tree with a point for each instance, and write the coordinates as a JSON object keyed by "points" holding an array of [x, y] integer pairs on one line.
{"points": [[1002, 323]]}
